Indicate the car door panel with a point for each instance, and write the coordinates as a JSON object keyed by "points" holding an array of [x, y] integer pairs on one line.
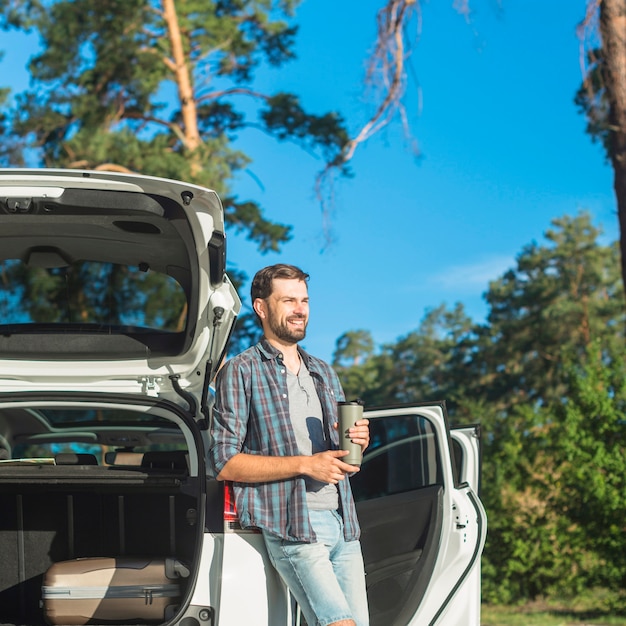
{"points": [[453, 599], [399, 540], [467, 454], [422, 531]]}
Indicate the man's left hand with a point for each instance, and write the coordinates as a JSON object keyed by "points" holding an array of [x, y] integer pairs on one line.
{"points": [[360, 434]]}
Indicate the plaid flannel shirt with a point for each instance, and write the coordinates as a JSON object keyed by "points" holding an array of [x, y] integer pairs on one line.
{"points": [[251, 415]]}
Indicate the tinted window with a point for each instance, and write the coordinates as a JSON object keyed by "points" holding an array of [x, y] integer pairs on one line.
{"points": [[457, 461], [103, 296], [95, 431], [79, 418], [403, 456]]}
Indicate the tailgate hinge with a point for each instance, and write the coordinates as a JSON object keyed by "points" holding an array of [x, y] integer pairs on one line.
{"points": [[150, 385]]}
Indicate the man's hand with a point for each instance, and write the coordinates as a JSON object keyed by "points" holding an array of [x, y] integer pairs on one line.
{"points": [[327, 467], [360, 434]]}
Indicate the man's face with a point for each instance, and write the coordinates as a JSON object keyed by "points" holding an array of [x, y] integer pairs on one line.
{"points": [[285, 313]]}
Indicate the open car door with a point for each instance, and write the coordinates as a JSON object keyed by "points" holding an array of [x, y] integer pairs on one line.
{"points": [[423, 525]]}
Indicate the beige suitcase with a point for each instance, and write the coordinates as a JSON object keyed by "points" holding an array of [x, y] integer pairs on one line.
{"points": [[104, 589]]}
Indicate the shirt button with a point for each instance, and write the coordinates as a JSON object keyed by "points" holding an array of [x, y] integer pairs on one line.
{"points": [[284, 395], [282, 371]]}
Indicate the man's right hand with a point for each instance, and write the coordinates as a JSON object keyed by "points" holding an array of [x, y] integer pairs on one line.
{"points": [[327, 467]]}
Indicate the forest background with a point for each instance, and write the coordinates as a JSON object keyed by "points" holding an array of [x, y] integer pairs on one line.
{"points": [[167, 88]]}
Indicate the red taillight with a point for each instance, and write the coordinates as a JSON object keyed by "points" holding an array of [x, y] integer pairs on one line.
{"points": [[230, 509], [231, 517]]}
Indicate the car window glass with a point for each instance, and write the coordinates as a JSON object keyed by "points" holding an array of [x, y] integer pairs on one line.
{"points": [[72, 418], [108, 296], [403, 456], [457, 461], [102, 432]]}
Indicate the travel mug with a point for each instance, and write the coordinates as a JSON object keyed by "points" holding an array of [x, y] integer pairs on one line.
{"points": [[349, 414]]}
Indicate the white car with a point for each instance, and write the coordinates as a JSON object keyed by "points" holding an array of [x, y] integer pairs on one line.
{"points": [[115, 312]]}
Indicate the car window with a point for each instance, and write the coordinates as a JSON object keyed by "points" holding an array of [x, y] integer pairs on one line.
{"points": [[457, 461], [403, 456], [108, 297], [73, 418], [101, 432]]}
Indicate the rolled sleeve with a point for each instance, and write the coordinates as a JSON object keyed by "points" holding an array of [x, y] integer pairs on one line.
{"points": [[230, 416]]}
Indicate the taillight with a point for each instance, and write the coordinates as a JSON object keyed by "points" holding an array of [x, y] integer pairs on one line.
{"points": [[231, 519]]}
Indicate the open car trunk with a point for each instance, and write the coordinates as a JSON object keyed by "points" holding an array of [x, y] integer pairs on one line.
{"points": [[116, 311], [129, 505]]}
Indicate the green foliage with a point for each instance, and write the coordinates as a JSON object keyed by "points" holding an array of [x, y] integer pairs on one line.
{"points": [[563, 302], [353, 347], [286, 118], [558, 298], [592, 606], [426, 364], [544, 376], [354, 361], [561, 493], [589, 441], [109, 91]]}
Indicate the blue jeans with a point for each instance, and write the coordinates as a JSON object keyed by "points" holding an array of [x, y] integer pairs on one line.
{"points": [[327, 577]]}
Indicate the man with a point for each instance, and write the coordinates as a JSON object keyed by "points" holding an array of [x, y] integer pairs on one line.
{"points": [[275, 436]]}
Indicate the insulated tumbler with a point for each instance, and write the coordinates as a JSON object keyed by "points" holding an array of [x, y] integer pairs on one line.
{"points": [[349, 414]]}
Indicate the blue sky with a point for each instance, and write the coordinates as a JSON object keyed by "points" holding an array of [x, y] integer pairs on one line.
{"points": [[503, 152]]}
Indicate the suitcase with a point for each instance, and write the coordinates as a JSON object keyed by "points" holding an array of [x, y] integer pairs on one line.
{"points": [[105, 589]]}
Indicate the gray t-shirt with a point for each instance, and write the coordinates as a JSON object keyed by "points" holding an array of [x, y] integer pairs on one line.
{"points": [[306, 416]]}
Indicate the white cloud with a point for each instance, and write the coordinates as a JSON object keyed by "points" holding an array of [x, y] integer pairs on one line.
{"points": [[467, 277]]}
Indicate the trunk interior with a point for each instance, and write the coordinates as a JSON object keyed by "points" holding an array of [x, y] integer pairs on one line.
{"points": [[51, 513]]}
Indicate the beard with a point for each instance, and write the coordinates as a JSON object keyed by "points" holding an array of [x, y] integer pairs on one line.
{"points": [[285, 332]]}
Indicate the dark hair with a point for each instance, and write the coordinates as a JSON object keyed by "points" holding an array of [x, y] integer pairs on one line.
{"points": [[262, 282]]}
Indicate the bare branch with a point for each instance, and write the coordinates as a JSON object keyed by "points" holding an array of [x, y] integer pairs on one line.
{"points": [[216, 95], [462, 7], [386, 72], [586, 30], [175, 128], [388, 63], [171, 66]]}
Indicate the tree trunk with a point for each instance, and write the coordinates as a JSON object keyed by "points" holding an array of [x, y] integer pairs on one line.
{"points": [[182, 75], [613, 32]]}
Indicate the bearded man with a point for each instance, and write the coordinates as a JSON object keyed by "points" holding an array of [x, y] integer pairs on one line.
{"points": [[275, 437]]}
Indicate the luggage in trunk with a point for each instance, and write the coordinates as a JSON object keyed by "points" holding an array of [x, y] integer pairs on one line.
{"points": [[104, 589]]}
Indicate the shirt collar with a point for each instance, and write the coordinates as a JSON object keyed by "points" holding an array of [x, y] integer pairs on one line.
{"points": [[270, 352]]}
